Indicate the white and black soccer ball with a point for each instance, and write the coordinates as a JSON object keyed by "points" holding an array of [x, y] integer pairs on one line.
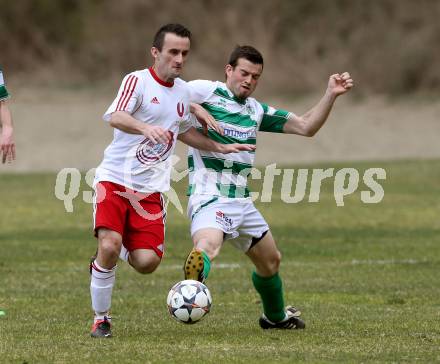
{"points": [[188, 301]]}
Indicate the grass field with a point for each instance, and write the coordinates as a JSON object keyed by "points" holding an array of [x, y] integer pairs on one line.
{"points": [[366, 278]]}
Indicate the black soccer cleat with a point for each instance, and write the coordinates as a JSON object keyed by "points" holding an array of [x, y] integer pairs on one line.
{"points": [[194, 265], [291, 322], [101, 328]]}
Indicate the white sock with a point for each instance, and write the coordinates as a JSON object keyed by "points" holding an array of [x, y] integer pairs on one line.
{"points": [[101, 287], [123, 255]]}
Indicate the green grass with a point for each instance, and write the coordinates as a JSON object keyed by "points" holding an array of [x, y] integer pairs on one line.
{"points": [[365, 276]]}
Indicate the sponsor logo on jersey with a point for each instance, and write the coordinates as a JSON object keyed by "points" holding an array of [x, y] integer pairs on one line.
{"points": [[223, 220], [238, 134], [154, 100], [180, 109], [149, 152]]}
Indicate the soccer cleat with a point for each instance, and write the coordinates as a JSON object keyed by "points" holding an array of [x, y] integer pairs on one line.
{"points": [[291, 322], [193, 267], [101, 328]]}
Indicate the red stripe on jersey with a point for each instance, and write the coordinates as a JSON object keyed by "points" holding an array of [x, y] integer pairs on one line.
{"points": [[131, 93], [127, 86], [127, 81], [128, 93]]}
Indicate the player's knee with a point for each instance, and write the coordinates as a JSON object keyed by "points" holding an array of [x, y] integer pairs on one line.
{"points": [[146, 265], [211, 248], [109, 247], [273, 263], [146, 268]]}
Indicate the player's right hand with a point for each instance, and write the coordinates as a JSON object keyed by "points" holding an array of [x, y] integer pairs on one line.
{"points": [[206, 119], [237, 147], [156, 134], [339, 84]]}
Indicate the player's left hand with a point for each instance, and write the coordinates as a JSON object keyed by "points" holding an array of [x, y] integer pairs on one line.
{"points": [[236, 147], [206, 119], [339, 84], [7, 146]]}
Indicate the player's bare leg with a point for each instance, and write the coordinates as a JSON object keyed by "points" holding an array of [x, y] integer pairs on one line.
{"points": [[267, 258], [109, 247], [207, 245], [144, 260], [103, 279]]}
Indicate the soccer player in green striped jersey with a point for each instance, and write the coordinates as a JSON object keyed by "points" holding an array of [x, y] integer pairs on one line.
{"points": [[7, 144], [220, 206]]}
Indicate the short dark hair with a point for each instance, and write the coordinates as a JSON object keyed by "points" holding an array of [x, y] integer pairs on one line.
{"points": [[246, 52], [177, 29]]}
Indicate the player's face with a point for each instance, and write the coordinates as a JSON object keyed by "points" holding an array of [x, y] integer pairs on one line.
{"points": [[243, 79], [169, 62]]}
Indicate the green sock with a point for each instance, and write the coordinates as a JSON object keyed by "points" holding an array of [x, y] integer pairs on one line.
{"points": [[206, 265], [271, 292]]}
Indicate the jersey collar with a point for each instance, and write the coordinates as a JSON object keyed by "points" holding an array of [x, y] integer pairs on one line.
{"points": [[239, 101], [158, 80], [235, 98]]}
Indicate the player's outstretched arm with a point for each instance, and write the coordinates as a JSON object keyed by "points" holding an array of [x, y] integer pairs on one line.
{"points": [[195, 139], [206, 119], [7, 144], [310, 122], [122, 120]]}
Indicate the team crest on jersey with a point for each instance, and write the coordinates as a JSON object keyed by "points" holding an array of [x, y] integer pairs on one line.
{"points": [[222, 102], [180, 109], [149, 152], [250, 110]]}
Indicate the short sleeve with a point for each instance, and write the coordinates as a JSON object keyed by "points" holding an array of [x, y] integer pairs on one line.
{"points": [[187, 122], [273, 119], [200, 90], [128, 96], [3, 91]]}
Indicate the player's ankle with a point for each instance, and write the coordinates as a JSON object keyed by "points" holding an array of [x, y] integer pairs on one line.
{"points": [[100, 316]]}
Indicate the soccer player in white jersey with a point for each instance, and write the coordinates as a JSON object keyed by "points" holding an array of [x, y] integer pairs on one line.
{"points": [[7, 144], [149, 113], [219, 206]]}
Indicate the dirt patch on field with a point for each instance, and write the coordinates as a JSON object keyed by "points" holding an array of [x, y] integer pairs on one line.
{"points": [[58, 128]]}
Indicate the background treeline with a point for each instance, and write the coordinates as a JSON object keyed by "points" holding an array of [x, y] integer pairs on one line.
{"points": [[390, 46]]}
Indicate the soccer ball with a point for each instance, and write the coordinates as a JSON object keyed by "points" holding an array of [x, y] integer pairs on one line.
{"points": [[188, 301]]}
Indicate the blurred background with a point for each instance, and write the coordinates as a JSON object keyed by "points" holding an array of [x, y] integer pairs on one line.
{"points": [[63, 62]]}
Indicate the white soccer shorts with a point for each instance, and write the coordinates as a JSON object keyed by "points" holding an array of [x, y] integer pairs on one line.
{"points": [[236, 217]]}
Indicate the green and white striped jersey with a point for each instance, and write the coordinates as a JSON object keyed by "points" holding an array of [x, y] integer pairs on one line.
{"points": [[226, 174], [3, 92]]}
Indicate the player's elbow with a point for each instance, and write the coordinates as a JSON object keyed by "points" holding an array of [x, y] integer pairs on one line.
{"points": [[309, 132], [301, 127], [113, 121], [116, 118], [306, 129]]}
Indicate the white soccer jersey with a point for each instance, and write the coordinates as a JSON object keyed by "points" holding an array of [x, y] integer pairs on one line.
{"points": [[226, 174], [132, 160]]}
